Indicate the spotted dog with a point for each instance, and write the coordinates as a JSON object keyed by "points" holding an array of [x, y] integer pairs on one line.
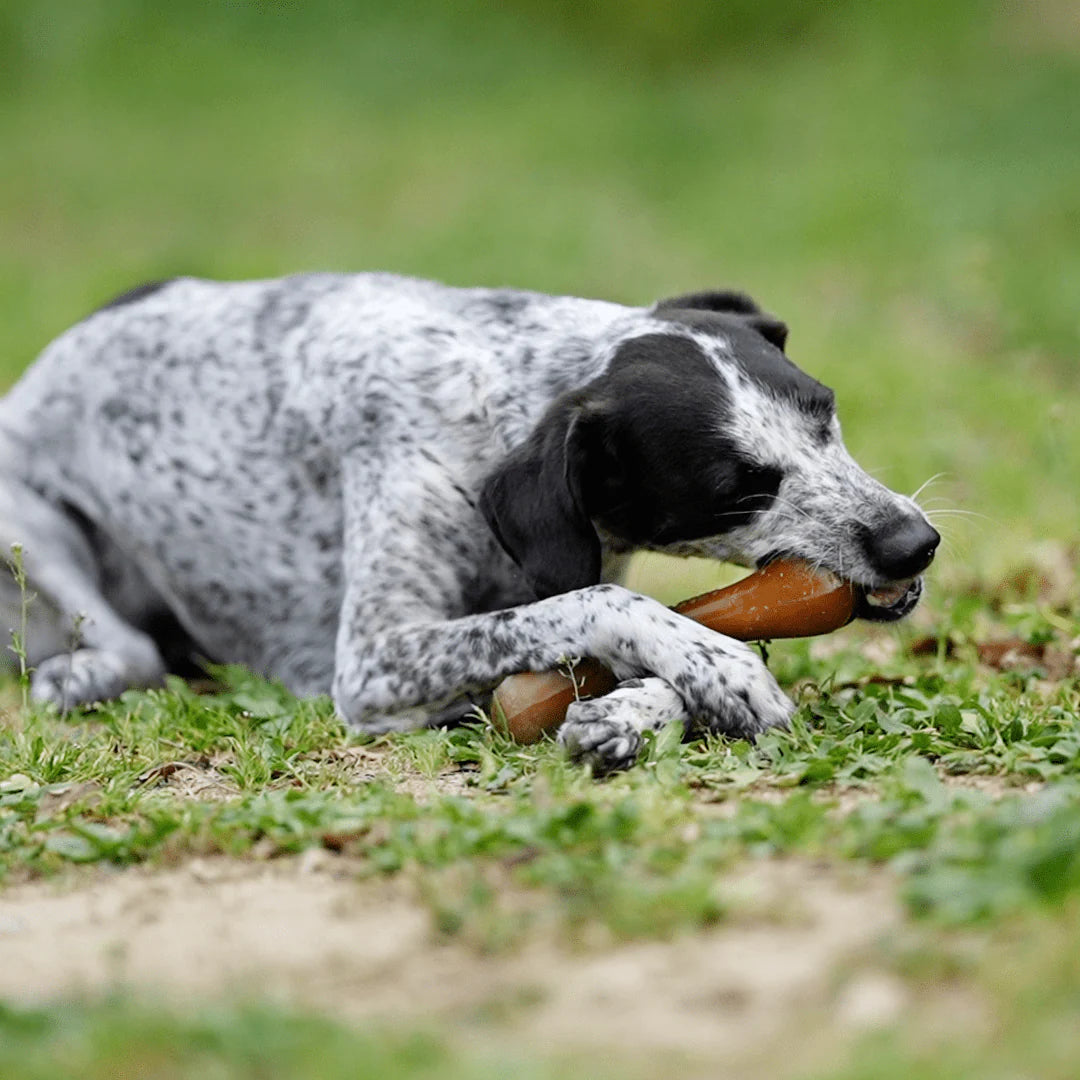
{"points": [[398, 492]]}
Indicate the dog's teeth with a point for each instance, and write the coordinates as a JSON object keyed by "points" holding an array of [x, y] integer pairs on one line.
{"points": [[889, 594]]}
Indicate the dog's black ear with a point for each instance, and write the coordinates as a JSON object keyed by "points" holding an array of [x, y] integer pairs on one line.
{"points": [[730, 301], [533, 503], [773, 330]]}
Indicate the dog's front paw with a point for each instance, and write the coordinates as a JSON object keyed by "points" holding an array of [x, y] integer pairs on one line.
{"points": [[724, 685], [746, 700], [78, 678], [602, 732]]}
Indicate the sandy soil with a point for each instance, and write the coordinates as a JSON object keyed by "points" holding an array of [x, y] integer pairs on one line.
{"points": [[307, 932]]}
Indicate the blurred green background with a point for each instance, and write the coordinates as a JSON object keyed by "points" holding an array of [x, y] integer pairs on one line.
{"points": [[901, 182]]}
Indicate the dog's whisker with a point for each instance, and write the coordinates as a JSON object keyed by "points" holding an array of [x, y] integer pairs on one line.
{"points": [[925, 484], [939, 510], [793, 506], [741, 513], [954, 551], [945, 512], [934, 499], [763, 510]]}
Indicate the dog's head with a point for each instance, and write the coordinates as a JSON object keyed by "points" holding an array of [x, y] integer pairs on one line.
{"points": [[702, 438]]}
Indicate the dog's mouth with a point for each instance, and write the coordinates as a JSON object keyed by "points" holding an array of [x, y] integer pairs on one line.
{"points": [[883, 603], [890, 602]]}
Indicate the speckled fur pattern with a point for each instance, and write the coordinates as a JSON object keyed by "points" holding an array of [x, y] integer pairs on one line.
{"points": [[397, 492]]}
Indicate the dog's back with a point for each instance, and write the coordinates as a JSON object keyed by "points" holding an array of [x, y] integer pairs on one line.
{"points": [[200, 426]]}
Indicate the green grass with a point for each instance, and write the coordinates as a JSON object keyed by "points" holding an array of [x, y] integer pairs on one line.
{"points": [[641, 854], [124, 1038], [958, 781], [900, 183]]}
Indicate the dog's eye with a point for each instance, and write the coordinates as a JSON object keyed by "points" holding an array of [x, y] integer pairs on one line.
{"points": [[758, 482]]}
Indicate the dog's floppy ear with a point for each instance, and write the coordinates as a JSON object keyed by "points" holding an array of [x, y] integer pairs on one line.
{"points": [[730, 302], [533, 504]]}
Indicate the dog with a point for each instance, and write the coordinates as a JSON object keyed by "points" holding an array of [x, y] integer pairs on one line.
{"points": [[398, 492]]}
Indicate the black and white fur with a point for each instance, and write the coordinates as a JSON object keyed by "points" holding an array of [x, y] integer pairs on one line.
{"points": [[398, 492]]}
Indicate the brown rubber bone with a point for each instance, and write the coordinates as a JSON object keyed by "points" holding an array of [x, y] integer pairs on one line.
{"points": [[785, 599]]}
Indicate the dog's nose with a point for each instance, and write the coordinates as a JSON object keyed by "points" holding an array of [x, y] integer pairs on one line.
{"points": [[902, 548]]}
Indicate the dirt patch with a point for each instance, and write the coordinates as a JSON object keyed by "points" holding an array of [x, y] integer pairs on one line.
{"points": [[363, 764], [200, 779], [306, 932], [847, 798], [205, 779], [997, 787]]}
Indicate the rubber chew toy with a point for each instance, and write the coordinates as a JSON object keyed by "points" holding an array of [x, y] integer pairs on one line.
{"points": [[786, 599]]}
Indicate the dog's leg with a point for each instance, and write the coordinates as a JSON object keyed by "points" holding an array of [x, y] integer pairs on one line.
{"points": [[80, 648], [392, 678]]}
